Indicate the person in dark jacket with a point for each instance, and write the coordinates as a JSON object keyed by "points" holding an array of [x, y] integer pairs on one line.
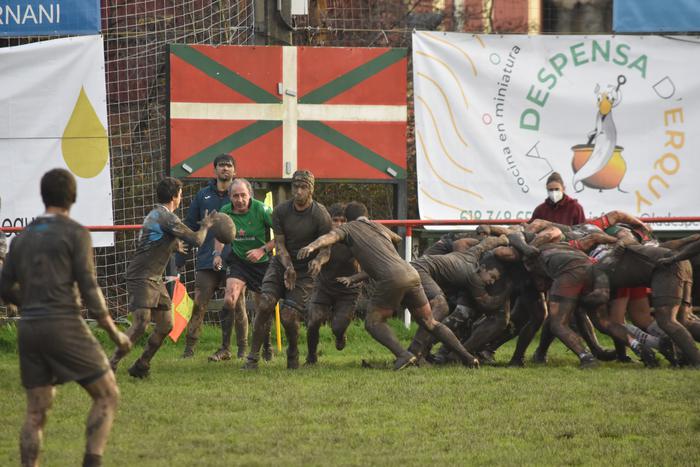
{"points": [[559, 207]]}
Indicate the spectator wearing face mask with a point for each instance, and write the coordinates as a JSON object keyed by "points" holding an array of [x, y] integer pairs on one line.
{"points": [[558, 207]]}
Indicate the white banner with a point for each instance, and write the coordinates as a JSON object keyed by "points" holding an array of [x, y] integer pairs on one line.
{"points": [[617, 117], [53, 113]]}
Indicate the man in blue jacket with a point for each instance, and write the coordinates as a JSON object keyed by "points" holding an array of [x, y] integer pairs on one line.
{"points": [[207, 278]]}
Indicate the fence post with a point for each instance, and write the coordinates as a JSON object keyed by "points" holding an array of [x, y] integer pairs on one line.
{"points": [[408, 243]]}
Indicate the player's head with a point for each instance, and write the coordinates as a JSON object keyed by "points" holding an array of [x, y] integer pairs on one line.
{"points": [[302, 186], [58, 189], [169, 189], [355, 209], [240, 194], [490, 269], [337, 213], [224, 167]]}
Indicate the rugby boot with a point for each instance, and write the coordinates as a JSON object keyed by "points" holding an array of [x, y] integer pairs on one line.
{"points": [[340, 341], [517, 362], [188, 352], [539, 357], [311, 359], [587, 360], [220, 355], [667, 349], [139, 369], [405, 360], [487, 357], [251, 363], [646, 355]]}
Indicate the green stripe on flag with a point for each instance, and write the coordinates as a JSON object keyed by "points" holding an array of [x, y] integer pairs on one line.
{"points": [[228, 144], [352, 147], [353, 77], [224, 75]]}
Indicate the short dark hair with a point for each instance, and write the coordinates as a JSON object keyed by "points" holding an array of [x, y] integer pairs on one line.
{"points": [[337, 210], [224, 157], [58, 188], [167, 189], [490, 261], [355, 209]]}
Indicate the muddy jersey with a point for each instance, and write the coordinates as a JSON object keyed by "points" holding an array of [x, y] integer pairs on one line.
{"points": [[557, 258], [157, 240], [52, 263], [371, 245], [634, 268], [341, 264], [458, 269], [300, 227]]}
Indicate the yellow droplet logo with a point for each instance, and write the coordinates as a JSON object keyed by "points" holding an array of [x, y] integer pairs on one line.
{"points": [[84, 144]]}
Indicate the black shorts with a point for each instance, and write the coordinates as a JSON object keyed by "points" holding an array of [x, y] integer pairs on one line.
{"points": [[144, 293], [58, 350], [250, 273]]}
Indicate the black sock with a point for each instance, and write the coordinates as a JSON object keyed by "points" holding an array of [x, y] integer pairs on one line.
{"points": [[92, 460]]}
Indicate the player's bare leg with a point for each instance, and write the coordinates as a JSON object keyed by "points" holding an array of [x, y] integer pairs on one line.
{"points": [[140, 319], [105, 398], [39, 402]]}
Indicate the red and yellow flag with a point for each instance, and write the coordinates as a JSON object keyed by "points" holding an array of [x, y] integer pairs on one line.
{"points": [[182, 310]]}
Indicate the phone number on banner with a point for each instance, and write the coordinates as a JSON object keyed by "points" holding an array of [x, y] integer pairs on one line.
{"points": [[490, 214]]}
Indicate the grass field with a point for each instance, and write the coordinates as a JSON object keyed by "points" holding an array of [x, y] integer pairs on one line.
{"points": [[192, 412]]}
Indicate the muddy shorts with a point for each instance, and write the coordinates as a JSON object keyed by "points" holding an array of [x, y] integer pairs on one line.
{"points": [[672, 284], [568, 285], [402, 290], [206, 281], [430, 287], [334, 297], [145, 293], [58, 350], [250, 273], [273, 284]]}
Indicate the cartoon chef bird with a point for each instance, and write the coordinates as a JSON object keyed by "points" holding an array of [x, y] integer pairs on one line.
{"points": [[604, 137]]}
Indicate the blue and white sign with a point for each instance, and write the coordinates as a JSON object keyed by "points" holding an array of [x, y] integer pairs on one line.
{"points": [[49, 17]]}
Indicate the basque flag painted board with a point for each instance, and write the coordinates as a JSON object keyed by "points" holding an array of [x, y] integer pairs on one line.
{"points": [[339, 112]]}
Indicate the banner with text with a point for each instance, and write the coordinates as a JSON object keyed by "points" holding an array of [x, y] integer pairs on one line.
{"points": [[615, 116], [53, 113], [49, 18]]}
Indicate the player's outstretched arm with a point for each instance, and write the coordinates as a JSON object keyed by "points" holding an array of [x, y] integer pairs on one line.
{"points": [[178, 229], [326, 240]]}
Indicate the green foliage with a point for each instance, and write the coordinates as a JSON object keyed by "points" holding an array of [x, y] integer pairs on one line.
{"points": [[193, 412]]}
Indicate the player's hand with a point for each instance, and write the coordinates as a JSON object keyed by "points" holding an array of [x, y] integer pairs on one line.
{"points": [[255, 254], [208, 219], [345, 280], [314, 267], [122, 341], [290, 278], [217, 263], [503, 240], [305, 252], [181, 247], [483, 230]]}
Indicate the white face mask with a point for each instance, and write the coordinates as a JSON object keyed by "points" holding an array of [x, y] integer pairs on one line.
{"points": [[555, 196]]}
